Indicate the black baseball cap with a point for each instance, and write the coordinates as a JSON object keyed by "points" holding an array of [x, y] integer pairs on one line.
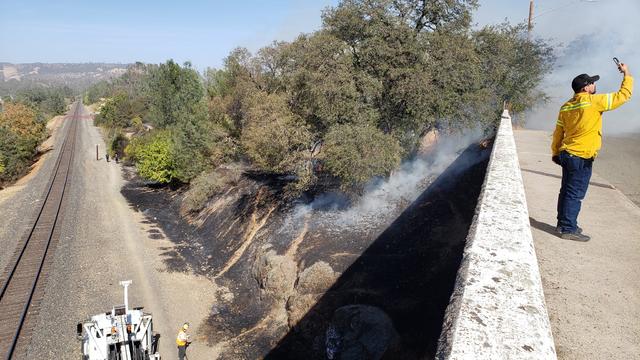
{"points": [[583, 80]]}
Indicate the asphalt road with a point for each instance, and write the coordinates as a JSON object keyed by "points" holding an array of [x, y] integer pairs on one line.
{"points": [[103, 241], [619, 163]]}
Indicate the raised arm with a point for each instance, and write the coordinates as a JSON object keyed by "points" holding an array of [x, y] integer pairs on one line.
{"points": [[610, 101]]}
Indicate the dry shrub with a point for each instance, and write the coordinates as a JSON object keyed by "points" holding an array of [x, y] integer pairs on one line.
{"points": [[312, 283], [208, 184], [275, 274], [298, 306], [316, 279]]}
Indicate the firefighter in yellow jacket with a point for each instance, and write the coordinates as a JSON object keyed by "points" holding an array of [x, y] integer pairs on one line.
{"points": [[182, 340], [576, 141]]}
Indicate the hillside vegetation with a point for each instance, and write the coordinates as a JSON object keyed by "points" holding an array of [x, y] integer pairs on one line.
{"points": [[23, 127], [18, 77], [348, 102]]}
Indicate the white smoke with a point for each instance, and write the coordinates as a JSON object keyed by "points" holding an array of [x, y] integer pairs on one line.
{"points": [[383, 200], [592, 33]]}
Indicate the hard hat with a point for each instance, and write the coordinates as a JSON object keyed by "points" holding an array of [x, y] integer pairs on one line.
{"points": [[185, 326]]}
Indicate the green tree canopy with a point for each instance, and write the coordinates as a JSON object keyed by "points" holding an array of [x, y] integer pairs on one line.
{"points": [[275, 139], [325, 88], [377, 77], [174, 91], [21, 131], [153, 156], [119, 110], [514, 66], [48, 101], [355, 154]]}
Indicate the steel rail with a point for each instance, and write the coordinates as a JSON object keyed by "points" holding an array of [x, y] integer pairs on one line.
{"points": [[50, 186], [67, 149]]}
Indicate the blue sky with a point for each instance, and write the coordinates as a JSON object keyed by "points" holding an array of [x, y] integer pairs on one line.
{"points": [[200, 31], [150, 31], [153, 31], [204, 32]]}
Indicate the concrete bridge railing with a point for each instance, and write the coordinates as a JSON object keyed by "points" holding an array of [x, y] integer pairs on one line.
{"points": [[497, 309]]}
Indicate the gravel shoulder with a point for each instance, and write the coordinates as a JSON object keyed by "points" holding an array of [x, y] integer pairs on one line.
{"points": [[591, 289], [104, 240]]}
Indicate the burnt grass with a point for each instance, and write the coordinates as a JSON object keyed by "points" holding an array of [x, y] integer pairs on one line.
{"points": [[404, 266]]}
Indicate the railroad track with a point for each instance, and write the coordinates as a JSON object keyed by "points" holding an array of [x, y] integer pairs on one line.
{"points": [[23, 278]]}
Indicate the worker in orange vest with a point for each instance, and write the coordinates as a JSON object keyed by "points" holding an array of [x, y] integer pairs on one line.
{"points": [[183, 341]]}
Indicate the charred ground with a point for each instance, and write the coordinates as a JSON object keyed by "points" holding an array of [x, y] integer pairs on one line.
{"points": [[299, 284]]}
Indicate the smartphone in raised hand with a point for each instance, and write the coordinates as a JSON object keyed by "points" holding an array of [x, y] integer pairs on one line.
{"points": [[617, 62]]}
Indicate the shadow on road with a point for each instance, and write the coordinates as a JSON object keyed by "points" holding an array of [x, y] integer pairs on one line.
{"points": [[549, 229], [606, 186]]}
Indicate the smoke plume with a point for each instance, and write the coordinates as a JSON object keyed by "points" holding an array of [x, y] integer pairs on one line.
{"points": [[383, 199], [592, 33]]}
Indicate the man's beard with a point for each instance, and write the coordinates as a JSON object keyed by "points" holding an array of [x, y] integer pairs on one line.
{"points": [[594, 90]]}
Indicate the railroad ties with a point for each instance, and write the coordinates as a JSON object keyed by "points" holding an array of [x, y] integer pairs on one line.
{"points": [[23, 280]]}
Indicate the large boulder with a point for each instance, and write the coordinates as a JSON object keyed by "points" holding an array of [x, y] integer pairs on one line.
{"points": [[359, 332]]}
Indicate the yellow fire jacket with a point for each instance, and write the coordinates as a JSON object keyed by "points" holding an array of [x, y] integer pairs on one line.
{"points": [[579, 127]]}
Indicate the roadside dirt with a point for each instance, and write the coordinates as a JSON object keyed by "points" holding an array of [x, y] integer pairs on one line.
{"points": [[173, 297]]}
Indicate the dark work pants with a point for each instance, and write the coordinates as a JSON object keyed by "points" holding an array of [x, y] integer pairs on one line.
{"points": [[576, 173], [182, 352]]}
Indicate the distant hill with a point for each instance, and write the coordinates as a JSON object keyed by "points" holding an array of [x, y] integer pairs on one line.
{"points": [[76, 76]]}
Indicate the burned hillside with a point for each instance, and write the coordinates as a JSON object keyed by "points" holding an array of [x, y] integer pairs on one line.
{"points": [[288, 275]]}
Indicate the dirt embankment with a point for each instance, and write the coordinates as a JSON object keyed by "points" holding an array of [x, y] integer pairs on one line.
{"points": [[325, 278]]}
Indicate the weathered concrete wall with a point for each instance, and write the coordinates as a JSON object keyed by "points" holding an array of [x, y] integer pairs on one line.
{"points": [[497, 309]]}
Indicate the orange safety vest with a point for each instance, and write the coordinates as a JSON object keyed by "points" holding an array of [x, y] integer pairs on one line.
{"points": [[181, 340]]}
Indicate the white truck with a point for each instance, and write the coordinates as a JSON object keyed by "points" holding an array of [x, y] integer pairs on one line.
{"points": [[120, 334]]}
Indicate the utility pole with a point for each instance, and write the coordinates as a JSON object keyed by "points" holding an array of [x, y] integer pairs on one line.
{"points": [[530, 24]]}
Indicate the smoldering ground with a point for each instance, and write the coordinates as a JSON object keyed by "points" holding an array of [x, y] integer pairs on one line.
{"points": [[396, 248], [382, 198], [394, 287]]}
